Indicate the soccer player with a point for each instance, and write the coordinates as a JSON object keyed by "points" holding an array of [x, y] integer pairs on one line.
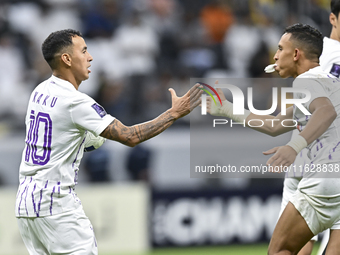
{"points": [[329, 62], [315, 206], [50, 215]]}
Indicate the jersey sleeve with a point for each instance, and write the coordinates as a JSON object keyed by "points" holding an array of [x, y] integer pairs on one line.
{"points": [[87, 114], [313, 86], [330, 57]]}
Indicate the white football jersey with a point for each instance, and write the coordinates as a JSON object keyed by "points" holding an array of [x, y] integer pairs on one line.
{"points": [[330, 63], [325, 149], [330, 57], [58, 117]]}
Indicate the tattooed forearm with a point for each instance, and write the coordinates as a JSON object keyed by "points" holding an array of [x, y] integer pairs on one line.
{"points": [[152, 128], [136, 134]]}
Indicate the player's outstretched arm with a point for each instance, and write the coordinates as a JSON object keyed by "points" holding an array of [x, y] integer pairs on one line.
{"points": [[131, 136], [267, 124], [270, 124]]}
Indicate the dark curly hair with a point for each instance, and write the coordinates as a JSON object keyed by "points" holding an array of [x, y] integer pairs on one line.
{"points": [[57, 42]]}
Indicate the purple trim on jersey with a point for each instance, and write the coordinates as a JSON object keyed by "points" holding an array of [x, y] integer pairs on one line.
{"points": [[70, 190], [94, 237], [58, 188], [75, 177], [78, 152], [21, 199], [52, 199], [321, 146], [336, 146], [39, 204], [21, 185], [330, 153], [41, 191], [34, 207], [26, 197], [23, 181]]}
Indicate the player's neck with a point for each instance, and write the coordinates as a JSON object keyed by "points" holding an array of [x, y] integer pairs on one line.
{"points": [[306, 66], [334, 35], [67, 77]]}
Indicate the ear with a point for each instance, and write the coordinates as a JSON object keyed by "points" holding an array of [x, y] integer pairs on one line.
{"points": [[333, 19], [297, 54], [66, 58]]}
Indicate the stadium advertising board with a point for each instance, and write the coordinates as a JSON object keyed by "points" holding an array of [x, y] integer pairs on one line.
{"points": [[213, 217]]}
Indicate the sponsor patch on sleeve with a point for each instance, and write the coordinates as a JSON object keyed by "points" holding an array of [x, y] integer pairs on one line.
{"points": [[99, 109], [335, 70]]}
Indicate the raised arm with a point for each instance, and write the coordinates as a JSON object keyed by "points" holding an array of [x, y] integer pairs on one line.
{"points": [[323, 114], [268, 124], [133, 135]]}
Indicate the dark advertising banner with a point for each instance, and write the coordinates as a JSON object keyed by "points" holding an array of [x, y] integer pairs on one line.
{"points": [[193, 218]]}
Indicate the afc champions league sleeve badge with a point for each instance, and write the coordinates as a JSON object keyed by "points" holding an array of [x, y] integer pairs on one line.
{"points": [[99, 109], [335, 70]]}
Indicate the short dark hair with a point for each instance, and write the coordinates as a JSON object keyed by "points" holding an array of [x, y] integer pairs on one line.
{"points": [[335, 7], [55, 43], [307, 38]]}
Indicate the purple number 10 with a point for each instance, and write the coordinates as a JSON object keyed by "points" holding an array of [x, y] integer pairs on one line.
{"points": [[43, 123]]}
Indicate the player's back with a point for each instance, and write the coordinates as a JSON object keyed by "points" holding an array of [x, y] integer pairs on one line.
{"points": [[52, 138], [53, 150]]}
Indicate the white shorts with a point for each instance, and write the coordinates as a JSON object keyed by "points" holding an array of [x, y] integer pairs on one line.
{"points": [[65, 233], [321, 207], [290, 186]]}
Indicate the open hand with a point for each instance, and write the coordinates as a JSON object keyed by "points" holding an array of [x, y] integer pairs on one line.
{"points": [[283, 156], [182, 106]]}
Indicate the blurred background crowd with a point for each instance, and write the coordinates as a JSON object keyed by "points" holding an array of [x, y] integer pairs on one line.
{"points": [[143, 47]]}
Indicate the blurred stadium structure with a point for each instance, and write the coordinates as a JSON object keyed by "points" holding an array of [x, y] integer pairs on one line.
{"points": [[141, 48]]}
